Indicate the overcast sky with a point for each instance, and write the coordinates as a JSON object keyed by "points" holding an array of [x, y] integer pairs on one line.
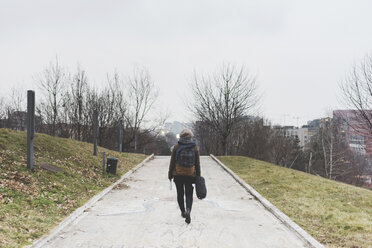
{"points": [[299, 50]]}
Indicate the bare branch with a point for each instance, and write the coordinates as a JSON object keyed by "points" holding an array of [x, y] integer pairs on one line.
{"points": [[223, 99]]}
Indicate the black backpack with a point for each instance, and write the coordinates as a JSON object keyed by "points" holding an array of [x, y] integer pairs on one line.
{"points": [[186, 157], [201, 189]]}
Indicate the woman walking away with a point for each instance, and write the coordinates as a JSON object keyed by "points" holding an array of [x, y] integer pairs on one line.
{"points": [[184, 166]]}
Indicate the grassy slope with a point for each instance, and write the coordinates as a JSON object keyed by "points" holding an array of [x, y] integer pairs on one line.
{"points": [[336, 214], [33, 202]]}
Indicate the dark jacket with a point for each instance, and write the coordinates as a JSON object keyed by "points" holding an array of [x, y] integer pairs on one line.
{"points": [[176, 170]]}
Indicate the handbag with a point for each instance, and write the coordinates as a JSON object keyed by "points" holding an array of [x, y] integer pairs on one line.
{"points": [[201, 189]]}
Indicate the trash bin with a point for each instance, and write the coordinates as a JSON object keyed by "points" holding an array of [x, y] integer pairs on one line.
{"points": [[112, 164]]}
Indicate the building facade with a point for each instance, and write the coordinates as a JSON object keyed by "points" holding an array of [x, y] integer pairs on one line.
{"points": [[357, 133], [301, 133]]}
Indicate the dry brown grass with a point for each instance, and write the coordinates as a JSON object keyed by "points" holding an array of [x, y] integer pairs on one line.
{"points": [[336, 214], [33, 202]]}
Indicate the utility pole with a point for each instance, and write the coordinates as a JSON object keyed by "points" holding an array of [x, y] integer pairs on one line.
{"points": [[95, 131], [30, 128], [121, 136], [135, 139], [103, 162]]}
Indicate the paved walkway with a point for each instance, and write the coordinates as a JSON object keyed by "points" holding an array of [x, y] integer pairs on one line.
{"points": [[143, 212]]}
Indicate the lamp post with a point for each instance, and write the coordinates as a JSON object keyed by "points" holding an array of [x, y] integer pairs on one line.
{"points": [[30, 128]]}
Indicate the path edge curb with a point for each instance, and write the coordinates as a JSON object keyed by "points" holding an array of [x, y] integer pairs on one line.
{"points": [[74, 215], [301, 233]]}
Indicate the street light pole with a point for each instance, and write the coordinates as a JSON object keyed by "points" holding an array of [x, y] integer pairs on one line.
{"points": [[95, 131], [30, 128]]}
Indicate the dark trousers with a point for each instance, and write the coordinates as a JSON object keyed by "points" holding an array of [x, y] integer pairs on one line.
{"points": [[184, 188]]}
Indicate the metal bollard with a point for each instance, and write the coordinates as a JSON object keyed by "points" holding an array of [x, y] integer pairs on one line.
{"points": [[121, 137], [95, 132], [103, 162], [30, 128]]}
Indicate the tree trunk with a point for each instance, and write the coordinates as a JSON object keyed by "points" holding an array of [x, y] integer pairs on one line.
{"points": [[325, 156], [331, 159], [224, 146], [135, 140], [309, 167]]}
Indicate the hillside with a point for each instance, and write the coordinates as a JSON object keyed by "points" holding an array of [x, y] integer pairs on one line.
{"points": [[33, 202], [336, 214]]}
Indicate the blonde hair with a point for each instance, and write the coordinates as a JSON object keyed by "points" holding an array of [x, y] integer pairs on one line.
{"points": [[186, 133]]}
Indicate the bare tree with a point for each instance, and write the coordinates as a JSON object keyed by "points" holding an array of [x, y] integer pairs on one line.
{"points": [[252, 138], [89, 105], [68, 103], [2, 108], [17, 99], [357, 92], [223, 99], [207, 139], [52, 81], [331, 154], [284, 149], [3, 112], [76, 98], [111, 109], [142, 95], [15, 103]]}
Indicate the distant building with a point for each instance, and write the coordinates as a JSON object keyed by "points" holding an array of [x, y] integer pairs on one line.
{"points": [[304, 136], [357, 133], [314, 125], [301, 133]]}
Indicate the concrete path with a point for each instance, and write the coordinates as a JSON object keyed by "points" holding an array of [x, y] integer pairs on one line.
{"points": [[143, 212]]}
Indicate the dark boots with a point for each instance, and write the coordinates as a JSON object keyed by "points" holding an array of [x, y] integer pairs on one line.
{"points": [[187, 216]]}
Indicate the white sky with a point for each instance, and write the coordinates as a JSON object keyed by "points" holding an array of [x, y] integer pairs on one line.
{"points": [[299, 49]]}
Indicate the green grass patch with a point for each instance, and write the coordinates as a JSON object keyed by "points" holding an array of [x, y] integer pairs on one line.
{"points": [[336, 214], [33, 202]]}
